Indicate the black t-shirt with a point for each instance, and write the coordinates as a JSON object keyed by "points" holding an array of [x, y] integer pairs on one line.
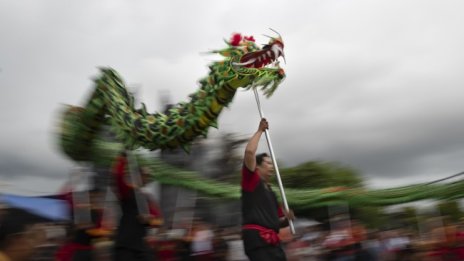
{"points": [[131, 232], [259, 207]]}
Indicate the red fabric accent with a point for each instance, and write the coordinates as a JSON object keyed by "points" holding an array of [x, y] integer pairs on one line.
{"points": [[153, 207], [166, 250], [249, 38], [68, 198], [66, 194], [119, 172], [280, 211], [268, 235], [236, 39], [66, 252], [249, 179], [460, 253]]}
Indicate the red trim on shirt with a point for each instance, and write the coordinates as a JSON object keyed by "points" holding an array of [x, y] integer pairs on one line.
{"points": [[119, 172], [280, 211], [250, 179]]}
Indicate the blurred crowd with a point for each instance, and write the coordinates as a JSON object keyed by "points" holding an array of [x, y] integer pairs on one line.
{"points": [[141, 234], [24, 236], [348, 240]]}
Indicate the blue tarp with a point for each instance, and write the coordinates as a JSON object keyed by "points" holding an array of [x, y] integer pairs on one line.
{"points": [[52, 209]]}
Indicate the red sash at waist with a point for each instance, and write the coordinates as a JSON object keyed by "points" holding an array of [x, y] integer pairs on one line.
{"points": [[267, 234]]}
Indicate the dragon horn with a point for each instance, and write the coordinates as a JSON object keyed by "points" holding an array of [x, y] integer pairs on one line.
{"points": [[276, 32]]}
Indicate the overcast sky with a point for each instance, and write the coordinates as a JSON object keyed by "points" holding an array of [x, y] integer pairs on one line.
{"points": [[376, 85]]}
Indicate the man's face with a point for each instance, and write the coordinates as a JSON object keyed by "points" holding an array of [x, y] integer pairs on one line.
{"points": [[266, 168]]}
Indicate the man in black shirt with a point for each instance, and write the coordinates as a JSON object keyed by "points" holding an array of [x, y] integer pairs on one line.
{"points": [[130, 243], [261, 215]]}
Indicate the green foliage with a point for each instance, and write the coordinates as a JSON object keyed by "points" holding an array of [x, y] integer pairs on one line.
{"points": [[371, 216], [318, 174], [451, 209], [409, 218]]}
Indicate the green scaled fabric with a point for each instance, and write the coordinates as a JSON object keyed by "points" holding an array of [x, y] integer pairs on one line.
{"points": [[111, 103], [301, 199]]}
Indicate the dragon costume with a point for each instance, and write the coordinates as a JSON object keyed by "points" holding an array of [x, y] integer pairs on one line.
{"points": [[245, 65]]}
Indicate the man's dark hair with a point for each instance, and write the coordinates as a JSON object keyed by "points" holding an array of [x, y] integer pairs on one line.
{"points": [[260, 157]]}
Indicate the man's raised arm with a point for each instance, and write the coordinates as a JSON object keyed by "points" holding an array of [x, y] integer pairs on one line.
{"points": [[252, 146]]}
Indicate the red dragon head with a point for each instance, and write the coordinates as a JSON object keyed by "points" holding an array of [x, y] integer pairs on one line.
{"points": [[255, 57]]}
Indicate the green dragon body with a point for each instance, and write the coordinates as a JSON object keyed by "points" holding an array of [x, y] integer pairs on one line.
{"points": [[302, 199], [244, 65]]}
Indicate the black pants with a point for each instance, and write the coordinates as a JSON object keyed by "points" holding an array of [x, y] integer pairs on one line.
{"points": [[83, 255], [127, 254], [268, 253]]}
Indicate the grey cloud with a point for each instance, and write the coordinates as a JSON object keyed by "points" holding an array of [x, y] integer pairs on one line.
{"points": [[14, 167]]}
